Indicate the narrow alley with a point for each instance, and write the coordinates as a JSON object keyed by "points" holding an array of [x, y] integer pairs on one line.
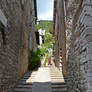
{"points": [[45, 45]]}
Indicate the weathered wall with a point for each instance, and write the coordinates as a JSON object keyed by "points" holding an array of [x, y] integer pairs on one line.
{"points": [[79, 59], [71, 7], [78, 40], [60, 36], [14, 55]]}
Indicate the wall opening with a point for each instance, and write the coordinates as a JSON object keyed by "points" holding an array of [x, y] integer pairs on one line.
{"points": [[3, 37]]}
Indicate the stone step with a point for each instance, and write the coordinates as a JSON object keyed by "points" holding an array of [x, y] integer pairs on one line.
{"points": [[58, 86], [33, 76], [26, 79], [55, 71], [23, 86], [25, 83], [59, 89], [56, 78], [22, 90], [56, 74], [58, 83]]}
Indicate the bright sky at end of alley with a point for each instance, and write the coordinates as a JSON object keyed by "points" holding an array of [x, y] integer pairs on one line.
{"points": [[45, 9]]}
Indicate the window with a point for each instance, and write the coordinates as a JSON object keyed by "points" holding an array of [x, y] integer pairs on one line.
{"points": [[37, 37]]}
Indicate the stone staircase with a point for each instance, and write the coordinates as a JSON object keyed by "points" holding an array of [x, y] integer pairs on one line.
{"points": [[58, 84], [25, 84]]}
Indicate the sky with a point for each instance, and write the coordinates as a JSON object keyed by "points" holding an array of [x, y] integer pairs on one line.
{"points": [[45, 9]]}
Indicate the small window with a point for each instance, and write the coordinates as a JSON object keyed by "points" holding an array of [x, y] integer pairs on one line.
{"points": [[3, 38], [37, 38]]}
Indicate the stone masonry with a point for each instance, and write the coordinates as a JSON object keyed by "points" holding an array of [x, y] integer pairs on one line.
{"points": [[81, 50], [60, 35], [14, 51], [78, 24]]}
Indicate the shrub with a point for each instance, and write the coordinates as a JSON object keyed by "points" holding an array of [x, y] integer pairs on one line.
{"points": [[35, 59]]}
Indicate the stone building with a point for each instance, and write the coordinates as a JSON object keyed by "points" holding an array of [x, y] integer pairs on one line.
{"points": [[76, 41], [17, 27], [41, 36], [60, 35]]}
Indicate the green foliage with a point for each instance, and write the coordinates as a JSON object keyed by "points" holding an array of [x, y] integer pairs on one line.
{"points": [[46, 59], [47, 25], [34, 59], [49, 39]]}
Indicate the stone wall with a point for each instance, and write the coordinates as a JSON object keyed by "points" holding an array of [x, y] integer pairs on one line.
{"points": [[60, 36], [14, 50], [71, 7], [79, 57], [78, 42]]}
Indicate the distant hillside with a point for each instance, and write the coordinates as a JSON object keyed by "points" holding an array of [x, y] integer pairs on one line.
{"points": [[46, 25]]}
